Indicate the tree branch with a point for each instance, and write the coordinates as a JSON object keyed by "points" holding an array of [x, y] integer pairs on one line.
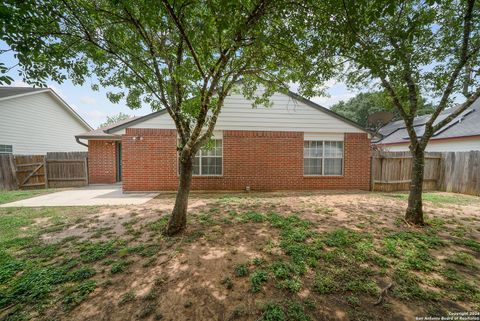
{"points": [[464, 57], [181, 29]]}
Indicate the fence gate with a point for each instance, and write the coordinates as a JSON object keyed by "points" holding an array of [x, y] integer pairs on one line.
{"points": [[30, 170]]}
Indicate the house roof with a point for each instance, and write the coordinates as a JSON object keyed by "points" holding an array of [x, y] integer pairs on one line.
{"points": [[7, 92], [101, 133], [464, 125], [291, 94]]}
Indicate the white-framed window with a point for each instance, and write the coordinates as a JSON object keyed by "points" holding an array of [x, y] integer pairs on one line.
{"points": [[209, 159], [322, 158], [6, 149]]}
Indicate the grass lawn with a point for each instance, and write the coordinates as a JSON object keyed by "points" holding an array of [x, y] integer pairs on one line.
{"points": [[258, 256], [12, 196]]}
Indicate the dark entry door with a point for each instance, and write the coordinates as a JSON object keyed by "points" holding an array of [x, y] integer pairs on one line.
{"points": [[119, 161]]}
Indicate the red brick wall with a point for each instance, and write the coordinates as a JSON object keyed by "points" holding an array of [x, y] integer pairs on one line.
{"points": [[101, 162], [261, 160], [150, 163]]}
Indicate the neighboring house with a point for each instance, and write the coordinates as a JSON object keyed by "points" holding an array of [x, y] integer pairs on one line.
{"points": [[37, 121], [295, 144], [460, 135]]}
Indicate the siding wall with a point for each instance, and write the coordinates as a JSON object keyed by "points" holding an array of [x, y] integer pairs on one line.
{"points": [[286, 114], [37, 124], [452, 145], [263, 160]]}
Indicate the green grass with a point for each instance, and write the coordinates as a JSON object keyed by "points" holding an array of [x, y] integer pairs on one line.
{"points": [[438, 198], [347, 264], [12, 196], [283, 311], [241, 270], [18, 228], [32, 271]]}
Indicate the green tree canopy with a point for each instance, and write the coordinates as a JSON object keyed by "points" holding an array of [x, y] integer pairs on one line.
{"points": [[360, 107], [114, 119]]}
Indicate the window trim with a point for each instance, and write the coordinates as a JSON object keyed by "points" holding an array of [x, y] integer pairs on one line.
{"points": [[200, 166], [323, 158], [7, 153]]}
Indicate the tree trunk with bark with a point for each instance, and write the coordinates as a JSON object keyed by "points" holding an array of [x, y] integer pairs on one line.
{"points": [[178, 219], [414, 214]]}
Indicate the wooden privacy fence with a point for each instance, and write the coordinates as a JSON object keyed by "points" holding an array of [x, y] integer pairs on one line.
{"points": [[460, 173], [457, 172], [66, 169], [58, 169], [8, 178]]}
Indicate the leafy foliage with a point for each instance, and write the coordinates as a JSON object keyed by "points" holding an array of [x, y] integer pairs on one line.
{"points": [[360, 107], [114, 119]]}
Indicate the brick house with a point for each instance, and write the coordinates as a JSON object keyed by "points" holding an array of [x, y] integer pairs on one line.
{"points": [[293, 145]]}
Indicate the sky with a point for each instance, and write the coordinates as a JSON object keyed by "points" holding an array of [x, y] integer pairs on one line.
{"points": [[94, 107]]}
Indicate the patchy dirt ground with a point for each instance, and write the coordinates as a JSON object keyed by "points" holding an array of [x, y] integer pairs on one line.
{"points": [[262, 256]]}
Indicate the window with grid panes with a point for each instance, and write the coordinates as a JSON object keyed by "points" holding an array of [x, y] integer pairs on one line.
{"points": [[209, 161], [323, 158], [6, 149]]}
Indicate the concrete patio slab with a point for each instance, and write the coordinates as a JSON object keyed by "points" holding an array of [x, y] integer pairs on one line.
{"points": [[86, 196]]}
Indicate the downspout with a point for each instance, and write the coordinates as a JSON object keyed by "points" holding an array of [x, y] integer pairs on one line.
{"points": [[78, 141]]}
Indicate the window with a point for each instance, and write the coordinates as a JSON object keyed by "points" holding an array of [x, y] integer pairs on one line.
{"points": [[208, 161], [6, 149], [322, 158]]}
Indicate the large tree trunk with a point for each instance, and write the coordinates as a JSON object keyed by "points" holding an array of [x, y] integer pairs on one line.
{"points": [[414, 212], [178, 219]]}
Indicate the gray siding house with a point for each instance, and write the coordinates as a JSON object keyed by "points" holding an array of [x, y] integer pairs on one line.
{"points": [[37, 121]]}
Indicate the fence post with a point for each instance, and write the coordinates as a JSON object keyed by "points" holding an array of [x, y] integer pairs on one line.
{"points": [[372, 173], [45, 171], [85, 166]]}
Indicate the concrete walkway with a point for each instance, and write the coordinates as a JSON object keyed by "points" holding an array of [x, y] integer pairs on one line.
{"points": [[86, 196]]}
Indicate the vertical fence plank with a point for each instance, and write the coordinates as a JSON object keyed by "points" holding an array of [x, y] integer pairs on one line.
{"points": [[8, 177]]}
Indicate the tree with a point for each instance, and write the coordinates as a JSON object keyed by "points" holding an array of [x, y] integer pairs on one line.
{"points": [[182, 56], [365, 104], [114, 119], [413, 50]]}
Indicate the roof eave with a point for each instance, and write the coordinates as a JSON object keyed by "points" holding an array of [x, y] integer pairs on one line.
{"points": [[134, 121], [99, 137]]}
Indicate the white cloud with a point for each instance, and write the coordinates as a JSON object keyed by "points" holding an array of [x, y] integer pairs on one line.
{"points": [[87, 100], [328, 101], [19, 83], [95, 114], [336, 91]]}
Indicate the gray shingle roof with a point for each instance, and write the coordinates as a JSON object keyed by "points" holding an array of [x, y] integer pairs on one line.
{"points": [[466, 124], [14, 91]]}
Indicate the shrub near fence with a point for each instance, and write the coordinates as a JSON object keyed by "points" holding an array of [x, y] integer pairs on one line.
{"points": [[457, 172], [68, 169]]}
